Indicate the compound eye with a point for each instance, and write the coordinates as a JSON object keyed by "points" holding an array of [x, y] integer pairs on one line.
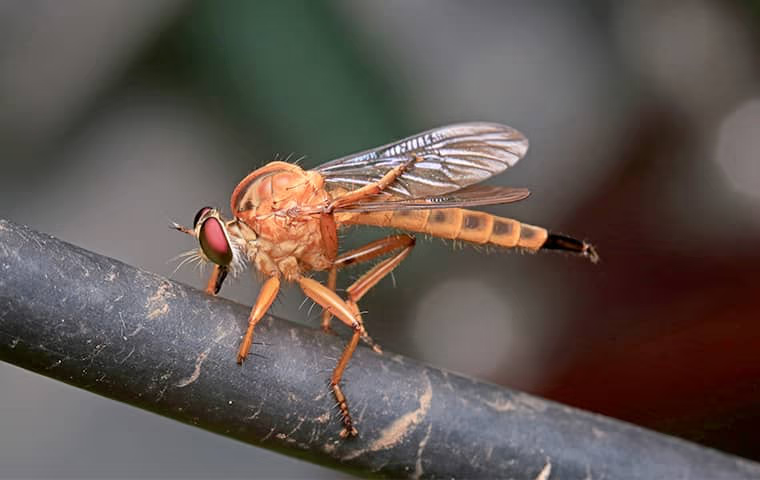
{"points": [[199, 215], [214, 242]]}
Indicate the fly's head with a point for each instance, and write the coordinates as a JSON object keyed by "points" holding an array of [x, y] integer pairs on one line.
{"points": [[220, 241]]}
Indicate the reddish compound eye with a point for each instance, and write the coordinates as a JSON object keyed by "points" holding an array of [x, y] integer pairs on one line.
{"points": [[214, 242]]}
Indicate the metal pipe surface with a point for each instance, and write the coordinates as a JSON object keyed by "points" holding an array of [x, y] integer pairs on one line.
{"points": [[98, 324]]}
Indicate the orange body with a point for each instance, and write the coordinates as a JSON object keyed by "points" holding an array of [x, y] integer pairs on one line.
{"points": [[272, 200], [286, 243]]}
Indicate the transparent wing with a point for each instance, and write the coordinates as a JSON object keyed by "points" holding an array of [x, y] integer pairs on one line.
{"points": [[473, 196], [451, 158]]}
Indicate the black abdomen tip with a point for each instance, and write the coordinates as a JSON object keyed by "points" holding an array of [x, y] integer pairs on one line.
{"points": [[569, 244]]}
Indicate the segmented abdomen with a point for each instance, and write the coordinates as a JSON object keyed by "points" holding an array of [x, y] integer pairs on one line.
{"points": [[455, 224]]}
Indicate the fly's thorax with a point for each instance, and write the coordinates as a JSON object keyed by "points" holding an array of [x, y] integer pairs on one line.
{"points": [[291, 247], [277, 187], [276, 208], [279, 258]]}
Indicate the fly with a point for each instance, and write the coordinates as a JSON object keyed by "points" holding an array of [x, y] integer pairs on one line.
{"points": [[285, 220]]}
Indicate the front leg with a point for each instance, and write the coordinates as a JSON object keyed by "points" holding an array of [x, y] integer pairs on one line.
{"points": [[216, 279], [330, 301], [266, 297]]}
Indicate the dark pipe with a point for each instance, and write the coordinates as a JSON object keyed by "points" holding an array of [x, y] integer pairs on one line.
{"points": [[130, 335]]}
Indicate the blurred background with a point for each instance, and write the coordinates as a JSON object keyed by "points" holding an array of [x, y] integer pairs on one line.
{"points": [[117, 117]]}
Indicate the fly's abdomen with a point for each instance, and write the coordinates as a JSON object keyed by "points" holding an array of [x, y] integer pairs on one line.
{"points": [[483, 228], [457, 224]]}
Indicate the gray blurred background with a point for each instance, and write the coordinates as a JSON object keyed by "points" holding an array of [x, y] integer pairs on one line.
{"points": [[117, 117]]}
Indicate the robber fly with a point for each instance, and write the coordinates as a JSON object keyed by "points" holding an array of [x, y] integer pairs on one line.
{"points": [[285, 220]]}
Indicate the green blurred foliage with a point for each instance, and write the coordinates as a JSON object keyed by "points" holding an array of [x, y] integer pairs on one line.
{"points": [[291, 69]]}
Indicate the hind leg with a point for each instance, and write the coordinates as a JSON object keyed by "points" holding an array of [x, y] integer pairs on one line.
{"points": [[401, 243], [330, 301]]}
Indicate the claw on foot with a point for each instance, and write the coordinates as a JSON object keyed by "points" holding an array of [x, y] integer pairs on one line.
{"points": [[245, 347]]}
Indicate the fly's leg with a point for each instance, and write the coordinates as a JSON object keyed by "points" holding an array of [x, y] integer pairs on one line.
{"points": [[359, 255], [361, 286], [373, 188], [332, 281], [266, 297], [330, 301], [216, 279], [348, 424], [373, 276]]}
